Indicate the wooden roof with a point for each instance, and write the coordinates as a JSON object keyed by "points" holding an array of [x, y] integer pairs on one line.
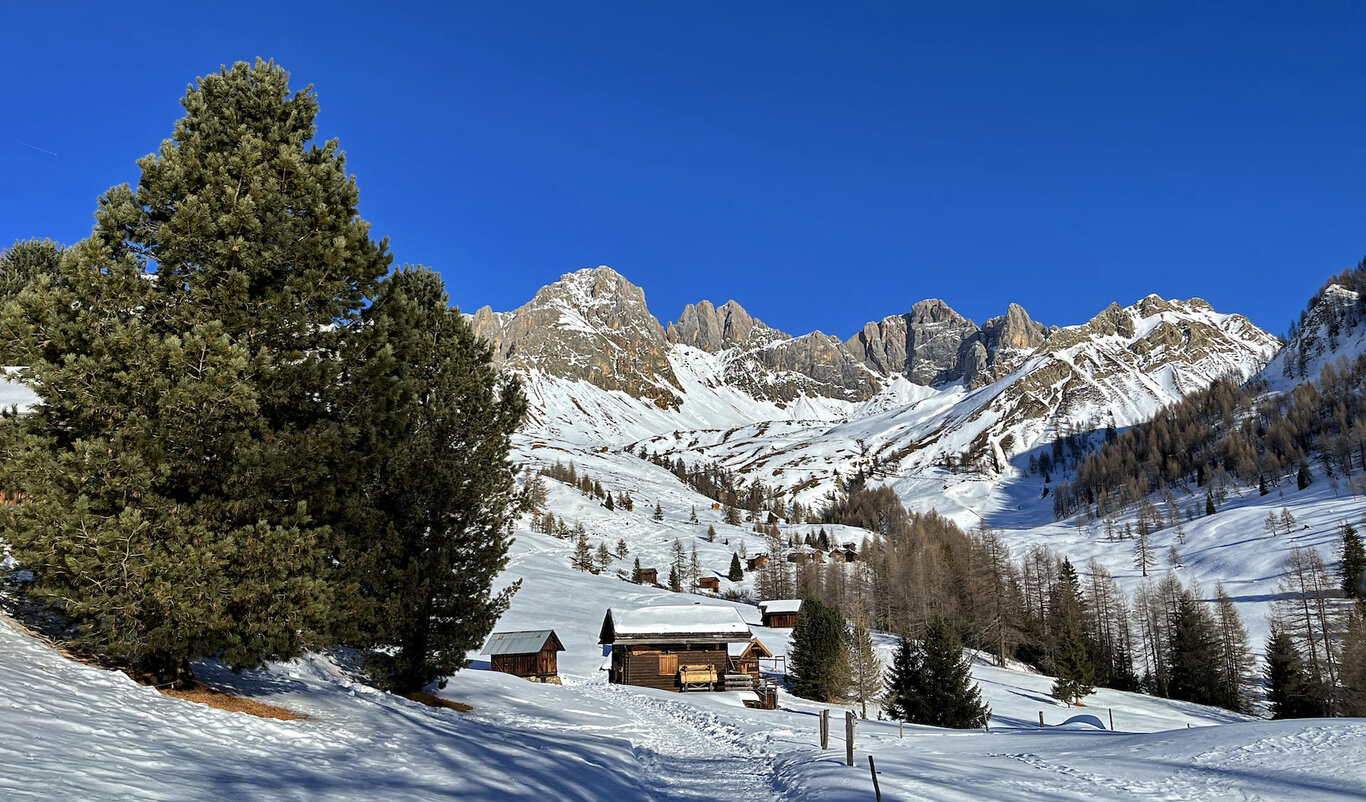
{"points": [[528, 641]]}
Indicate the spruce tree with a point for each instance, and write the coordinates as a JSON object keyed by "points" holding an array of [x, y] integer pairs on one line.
{"points": [[609, 504], [444, 491], [659, 512], [635, 572], [931, 682], [1353, 570], [819, 661], [1194, 655], [1076, 674], [1289, 691], [737, 573], [192, 449]]}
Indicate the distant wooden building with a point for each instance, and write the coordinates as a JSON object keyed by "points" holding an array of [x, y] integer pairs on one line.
{"points": [[716, 505], [709, 583], [649, 576], [798, 557], [672, 647], [529, 653], [757, 561], [779, 613]]}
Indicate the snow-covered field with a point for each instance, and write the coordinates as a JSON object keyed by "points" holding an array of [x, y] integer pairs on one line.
{"points": [[73, 731]]}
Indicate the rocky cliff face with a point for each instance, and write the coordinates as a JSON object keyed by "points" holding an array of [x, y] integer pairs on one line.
{"points": [[933, 345], [591, 325], [768, 364]]}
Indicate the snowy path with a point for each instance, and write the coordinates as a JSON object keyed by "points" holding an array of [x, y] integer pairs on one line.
{"points": [[693, 753]]}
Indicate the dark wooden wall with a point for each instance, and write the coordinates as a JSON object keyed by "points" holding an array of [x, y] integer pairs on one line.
{"points": [[780, 619], [639, 665], [541, 664]]}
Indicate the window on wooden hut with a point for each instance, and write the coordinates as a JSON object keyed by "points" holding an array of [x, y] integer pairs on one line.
{"points": [[668, 664]]}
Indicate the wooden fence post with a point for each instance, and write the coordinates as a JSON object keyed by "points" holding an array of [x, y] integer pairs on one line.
{"points": [[877, 789], [849, 737], [825, 729], [1040, 718], [1112, 719]]}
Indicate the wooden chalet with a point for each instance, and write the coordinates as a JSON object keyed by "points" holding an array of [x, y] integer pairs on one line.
{"points": [[780, 613], [744, 658], [673, 647], [757, 561], [529, 653], [709, 583], [649, 576], [798, 557]]}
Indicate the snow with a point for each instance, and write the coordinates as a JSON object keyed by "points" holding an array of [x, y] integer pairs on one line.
{"points": [[589, 740], [675, 619], [781, 605]]}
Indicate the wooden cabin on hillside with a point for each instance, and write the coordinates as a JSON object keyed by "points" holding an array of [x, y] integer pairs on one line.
{"points": [[649, 576], [780, 613], [710, 583], [672, 647], [757, 561], [529, 653]]}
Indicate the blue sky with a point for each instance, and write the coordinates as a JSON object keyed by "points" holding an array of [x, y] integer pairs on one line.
{"points": [[824, 164]]}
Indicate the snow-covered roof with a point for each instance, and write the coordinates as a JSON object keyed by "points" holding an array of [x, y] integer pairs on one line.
{"points": [[738, 649], [674, 622], [524, 642], [781, 605]]}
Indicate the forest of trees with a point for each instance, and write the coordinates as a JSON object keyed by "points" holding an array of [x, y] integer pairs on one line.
{"points": [[253, 437]]}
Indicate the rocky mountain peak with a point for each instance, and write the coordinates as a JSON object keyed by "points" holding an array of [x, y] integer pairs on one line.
{"points": [[704, 326]]}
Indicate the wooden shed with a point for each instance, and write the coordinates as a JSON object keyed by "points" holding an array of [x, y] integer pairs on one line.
{"points": [[709, 583], [528, 653], [649, 576], [780, 612], [757, 561], [672, 647], [744, 658]]}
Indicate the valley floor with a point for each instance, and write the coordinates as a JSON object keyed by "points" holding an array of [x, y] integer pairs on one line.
{"points": [[72, 731]]}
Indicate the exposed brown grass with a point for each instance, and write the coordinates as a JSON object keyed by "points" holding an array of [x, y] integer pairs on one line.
{"points": [[431, 700], [234, 704]]}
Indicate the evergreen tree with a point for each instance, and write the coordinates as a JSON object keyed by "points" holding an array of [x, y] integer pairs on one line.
{"points": [[196, 425], [1194, 672], [583, 554], [692, 516], [1289, 690], [608, 503], [1209, 504], [675, 581], [443, 492], [659, 512], [604, 557], [819, 661], [626, 502], [21, 265], [931, 683], [1353, 570], [865, 667], [736, 572], [622, 548], [635, 572], [1235, 660], [711, 534], [1353, 671], [1076, 674]]}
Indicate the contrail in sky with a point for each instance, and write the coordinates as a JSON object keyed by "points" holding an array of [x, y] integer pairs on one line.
{"points": [[35, 147]]}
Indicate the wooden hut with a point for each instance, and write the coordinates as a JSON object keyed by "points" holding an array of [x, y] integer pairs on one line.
{"points": [[649, 576], [672, 647], [744, 658], [529, 653], [798, 557], [780, 613], [757, 561], [709, 583]]}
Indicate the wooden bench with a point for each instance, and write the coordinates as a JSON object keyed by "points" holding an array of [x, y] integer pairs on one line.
{"points": [[697, 677]]}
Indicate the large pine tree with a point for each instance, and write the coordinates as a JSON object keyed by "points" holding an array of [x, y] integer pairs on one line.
{"points": [[190, 453], [444, 490], [819, 660], [1290, 692], [930, 682], [1076, 674]]}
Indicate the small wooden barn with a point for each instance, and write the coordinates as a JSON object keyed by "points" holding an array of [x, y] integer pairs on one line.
{"points": [[780, 612], [672, 647], [709, 583], [649, 576], [757, 561], [528, 653], [744, 658]]}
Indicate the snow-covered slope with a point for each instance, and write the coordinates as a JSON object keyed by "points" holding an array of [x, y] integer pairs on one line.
{"points": [[1333, 329], [73, 731]]}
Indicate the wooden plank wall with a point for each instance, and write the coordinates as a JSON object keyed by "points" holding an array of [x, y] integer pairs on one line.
{"points": [[639, 665]]}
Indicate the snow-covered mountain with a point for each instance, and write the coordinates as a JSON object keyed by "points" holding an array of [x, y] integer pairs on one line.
{"points": [[906, 397], [1333, 328]]}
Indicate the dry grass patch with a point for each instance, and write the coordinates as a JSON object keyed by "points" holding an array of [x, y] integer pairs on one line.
{"points": [[431, 700], [234, 704]]}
